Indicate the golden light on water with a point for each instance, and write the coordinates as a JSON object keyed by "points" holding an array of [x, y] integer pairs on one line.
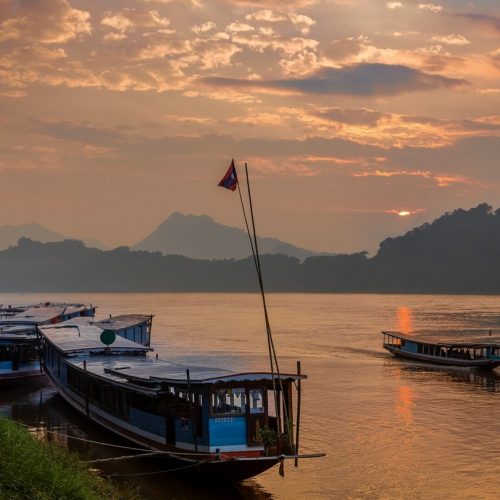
{"points": [[404, 324]]}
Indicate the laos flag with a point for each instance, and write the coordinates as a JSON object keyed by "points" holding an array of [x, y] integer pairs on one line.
{"points": [[230, 180]]}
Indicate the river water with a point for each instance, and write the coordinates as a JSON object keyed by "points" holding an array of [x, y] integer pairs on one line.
{"points": [[390, 428]]}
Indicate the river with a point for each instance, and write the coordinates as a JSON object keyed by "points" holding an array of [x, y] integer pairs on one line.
{"points": [[390, 428]]}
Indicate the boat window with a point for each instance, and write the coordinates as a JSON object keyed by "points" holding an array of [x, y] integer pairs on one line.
{"points": [[419, 348], [256, 401], [229, 401]]}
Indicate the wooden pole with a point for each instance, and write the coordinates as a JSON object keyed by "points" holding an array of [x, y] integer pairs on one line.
{"points": [[193, 423], [297, 428], [87, 406]]}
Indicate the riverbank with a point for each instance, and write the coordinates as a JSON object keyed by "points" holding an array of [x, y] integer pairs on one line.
{"points": [[30, 468]]}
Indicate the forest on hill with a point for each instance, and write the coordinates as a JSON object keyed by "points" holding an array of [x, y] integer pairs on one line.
{"points": [[457, 253]]}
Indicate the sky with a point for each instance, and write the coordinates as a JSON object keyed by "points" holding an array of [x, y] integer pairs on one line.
{"points": [[359, 119]]}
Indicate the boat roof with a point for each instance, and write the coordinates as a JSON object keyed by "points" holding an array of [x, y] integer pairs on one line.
{"points": [[36, 315], [156, 371], [77, 336], [123, 321], [450, 338]]}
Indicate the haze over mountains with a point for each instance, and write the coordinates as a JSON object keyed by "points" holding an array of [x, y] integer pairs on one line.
{"points": [[194, 236], [457, 253], [200, 237], [9, 235]]}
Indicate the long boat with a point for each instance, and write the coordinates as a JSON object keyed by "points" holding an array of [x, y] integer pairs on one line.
{"points": [[20, 345], [471, 351], [215, 421]]}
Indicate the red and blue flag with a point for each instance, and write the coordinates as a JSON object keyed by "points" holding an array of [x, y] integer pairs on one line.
{"points": [[230, 180]]}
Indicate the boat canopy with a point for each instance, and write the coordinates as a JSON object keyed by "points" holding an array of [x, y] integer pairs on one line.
{"points": [[80, 336], [148, 370], [35, 315], [123, 321], [452, 339]]}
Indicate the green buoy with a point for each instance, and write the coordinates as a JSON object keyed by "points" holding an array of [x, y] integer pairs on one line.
{"points": [[108, 337]]}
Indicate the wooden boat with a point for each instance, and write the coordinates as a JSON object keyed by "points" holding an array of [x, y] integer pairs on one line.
{"points": [[20, 346], [211, 420], [478, 351]]}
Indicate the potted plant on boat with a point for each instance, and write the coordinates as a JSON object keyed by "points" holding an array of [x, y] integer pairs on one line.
{"points": [[269, 438]]}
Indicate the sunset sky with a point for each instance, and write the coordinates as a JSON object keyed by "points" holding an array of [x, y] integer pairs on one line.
{"points": [[113, 114]]}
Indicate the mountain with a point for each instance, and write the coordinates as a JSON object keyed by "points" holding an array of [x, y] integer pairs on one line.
{"points": [[457, 253], [9, 235], [200, 237]]}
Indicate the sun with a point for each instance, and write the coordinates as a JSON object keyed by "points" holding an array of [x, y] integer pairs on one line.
{"points": [[404, 213]]}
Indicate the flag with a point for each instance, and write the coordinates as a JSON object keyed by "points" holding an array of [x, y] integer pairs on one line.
{"points": [[230, 180]]}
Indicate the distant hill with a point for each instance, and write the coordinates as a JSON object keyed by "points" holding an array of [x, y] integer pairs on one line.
{"points": [[200, 237], [457, 253], [9, 235]]}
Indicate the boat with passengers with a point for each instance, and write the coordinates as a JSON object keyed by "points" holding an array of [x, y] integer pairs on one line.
{"points": [[216, 421], [20, 346], [447, 349]]}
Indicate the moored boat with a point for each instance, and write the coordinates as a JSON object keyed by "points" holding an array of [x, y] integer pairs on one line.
{"points": [[219, 422], [470, 351], [20, 345]]}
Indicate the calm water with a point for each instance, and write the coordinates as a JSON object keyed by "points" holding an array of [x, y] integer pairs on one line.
{"points": [[391, 429]]}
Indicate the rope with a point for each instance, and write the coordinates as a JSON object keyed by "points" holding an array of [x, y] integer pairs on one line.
{"points": [[197, 464], [180, 453]]}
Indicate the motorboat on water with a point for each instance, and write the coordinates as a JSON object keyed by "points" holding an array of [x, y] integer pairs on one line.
{"points": [[219, 422], [455, 350]]}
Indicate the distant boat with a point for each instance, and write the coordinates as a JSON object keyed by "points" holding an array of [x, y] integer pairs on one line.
{"points": [[20, 346], [212, 420], [479, 351]]}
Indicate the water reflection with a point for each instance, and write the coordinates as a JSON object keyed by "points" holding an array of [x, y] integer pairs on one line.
{"points": [[49, 417], [404, 320], [404, 404], [469, 378]]}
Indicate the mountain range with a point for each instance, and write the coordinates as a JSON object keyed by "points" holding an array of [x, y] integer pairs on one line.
{"points": [[456, 253], [194, 236]]}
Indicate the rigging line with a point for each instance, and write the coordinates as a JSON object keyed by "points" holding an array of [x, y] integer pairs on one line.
{"points": [[248, 230], [42, 429], [197, 464], [272, 350], [261, 284]]}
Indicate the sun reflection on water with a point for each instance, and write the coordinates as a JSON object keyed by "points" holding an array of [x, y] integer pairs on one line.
{"points": [[404, 323]]}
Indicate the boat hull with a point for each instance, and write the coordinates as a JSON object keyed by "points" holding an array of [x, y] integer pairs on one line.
{"points": [[17, 379], [439, 360], [233, 467]]}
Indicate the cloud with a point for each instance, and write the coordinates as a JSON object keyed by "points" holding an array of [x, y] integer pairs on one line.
{"points": [[237, 27], [356, 80], [203, 28], [451, 39], [44, 21], [430, 6], [130, 19], [363, 117], [266, 15], [394, 5], [301, 22], [484, 20]]}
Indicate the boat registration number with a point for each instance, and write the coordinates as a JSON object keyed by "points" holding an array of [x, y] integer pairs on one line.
{"points": [[223, 420]]}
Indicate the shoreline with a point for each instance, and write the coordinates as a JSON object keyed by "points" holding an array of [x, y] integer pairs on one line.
{"points": [[31, 468]]}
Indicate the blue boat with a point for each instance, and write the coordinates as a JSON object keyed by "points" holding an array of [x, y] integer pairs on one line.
{"points": [[455, 350], [211, 420]]}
